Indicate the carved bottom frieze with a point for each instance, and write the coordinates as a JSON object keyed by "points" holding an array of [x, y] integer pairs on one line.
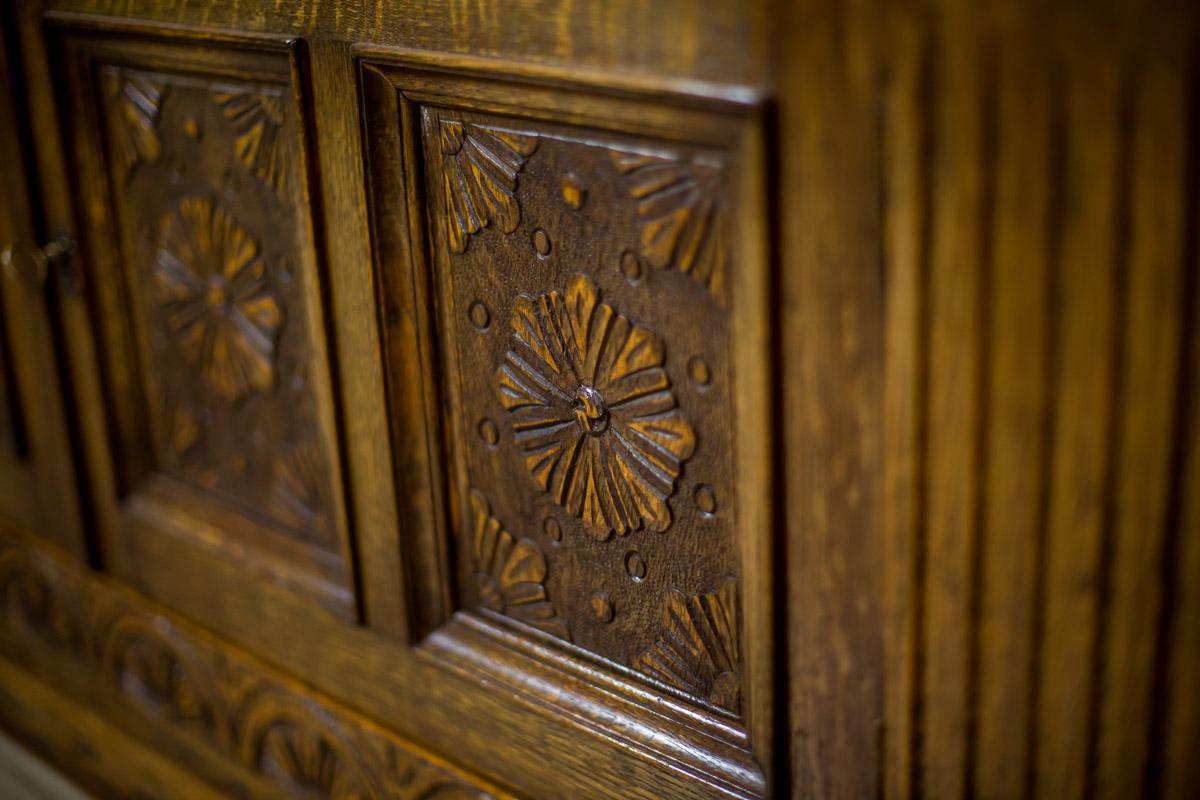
{"points": [[181, 681]]}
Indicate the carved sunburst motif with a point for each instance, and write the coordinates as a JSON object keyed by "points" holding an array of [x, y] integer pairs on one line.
{"points": [[297, 495], [479, 178], [310, 764], [150, 671], [511, 573], [683, 226], [257, 116], [133, 101], [697, 650], [592, 410], [217, 302]]}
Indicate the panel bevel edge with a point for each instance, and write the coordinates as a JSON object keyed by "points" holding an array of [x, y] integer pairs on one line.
{"points": [[407, 341], [470, 642], [329, 584]]}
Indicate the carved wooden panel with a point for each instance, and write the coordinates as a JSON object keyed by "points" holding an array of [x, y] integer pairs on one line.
{"points": [[138, 663], [594, 366], [208, 298]]}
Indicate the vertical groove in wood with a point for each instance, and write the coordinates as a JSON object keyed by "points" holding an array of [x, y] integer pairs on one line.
{"points": [[1015, 441], [906, 139], [1148, 361], [1173, 771], [1084, 327], [956, 346], [1052, 287], [987, 109], [1042, 610], [1118, 312]]}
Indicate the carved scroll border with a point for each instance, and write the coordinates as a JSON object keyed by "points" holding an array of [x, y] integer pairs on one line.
{"points": [[178, 679]]}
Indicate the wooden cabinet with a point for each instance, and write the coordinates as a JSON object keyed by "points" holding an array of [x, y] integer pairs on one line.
{"points": [[639, 400]]}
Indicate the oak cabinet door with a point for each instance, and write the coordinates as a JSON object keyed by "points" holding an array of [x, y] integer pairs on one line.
{"points": [[578, 276], [192, 187], [37, 478], [566, 290]]}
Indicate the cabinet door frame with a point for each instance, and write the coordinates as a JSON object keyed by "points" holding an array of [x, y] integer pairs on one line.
{"points": [[37, 473]]}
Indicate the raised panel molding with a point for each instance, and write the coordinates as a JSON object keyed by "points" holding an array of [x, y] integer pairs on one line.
{"points": [[140, 660], [590, 320]]}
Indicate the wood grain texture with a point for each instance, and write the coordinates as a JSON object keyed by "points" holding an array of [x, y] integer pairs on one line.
{"points": [[207, 297], [35, 447], [591, 463], [161, 676], [829, 309], [1039, 294], [690, 42]]}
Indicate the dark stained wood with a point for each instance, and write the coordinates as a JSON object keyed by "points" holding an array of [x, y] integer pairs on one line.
{"points": [[625, 399], [206, 295]]}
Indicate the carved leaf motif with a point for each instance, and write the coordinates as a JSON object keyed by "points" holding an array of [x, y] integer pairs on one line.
{"points": [[297, 497], [510, 572], [697, 650], [133, 103], [30, 596], [682, 224], [592, 410], [216, 300], [257, 117], [307, 763], [183, 681], [479, 178], [150, 671]]}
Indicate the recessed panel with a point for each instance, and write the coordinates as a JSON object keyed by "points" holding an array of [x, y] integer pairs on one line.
{"points": [[584, 280], [208, 298], [594, 278]]}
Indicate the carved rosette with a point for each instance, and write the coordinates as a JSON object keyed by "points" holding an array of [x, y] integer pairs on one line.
{"points": [[479, 178], [697, 650], [511, 572], [133, 102], [216, 299], [257, 117], [682, 224], [592, 410]]}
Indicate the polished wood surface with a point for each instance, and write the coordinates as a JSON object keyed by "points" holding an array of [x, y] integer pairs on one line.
{"points": [[640, 400]]}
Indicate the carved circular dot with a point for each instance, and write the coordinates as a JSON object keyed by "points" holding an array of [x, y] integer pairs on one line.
{"points": [[541, 243], [479, 315], [706, 499], [191, 128], [488, 431], [553, 529], [700, 373], [635, 565], [602, 607], [573, 192], [631, 266]]}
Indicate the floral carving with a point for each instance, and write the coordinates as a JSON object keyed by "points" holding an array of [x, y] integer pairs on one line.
{"points": [[683, 226], [133, 102], [510, 572], [697, 650], [216, 299], [257, 117], [592, 410], [479, 178]]}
